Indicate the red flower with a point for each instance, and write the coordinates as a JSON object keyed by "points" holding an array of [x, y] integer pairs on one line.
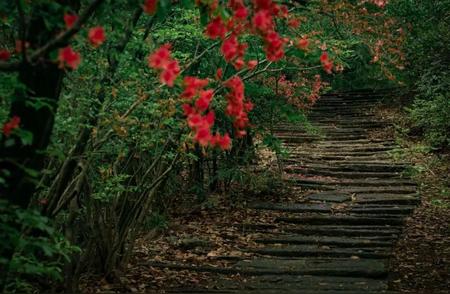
{"points": [[189, 92], [262, 4], [237, 108], [262, 20], [241, 13], [191, 86], [328, 67], [216, 28], [194, 82], [209, 119], [275, 9], [69, 57], [170, 73], [203, 136], [12, 124], [294, 23], [326, 63], [205, 98], [219, 74], [194, 120], [187, 109], [241, 133], [207, 94], [70, 19], [160, 58], [150, 6], [274, 47], [248, 106], [238, 63], [223, 142], [229, 48], [324, 57], [235, 4], [284, 11], [241, 49], [303, 43], [241, 121], [4, 54], [97, 36], [251, 64]]}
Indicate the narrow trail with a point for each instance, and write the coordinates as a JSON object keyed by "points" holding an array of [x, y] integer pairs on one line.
{"points": [[337, 236]]}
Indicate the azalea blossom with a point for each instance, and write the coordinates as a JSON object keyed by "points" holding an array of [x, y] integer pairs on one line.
{"points": [[327, 64], [262, 20], [219, 74], [97, 36], [12, 124], [150, 6], [294, 23], [229, 48], [241, 13], [251, 64], [223, 142], [68, 57], [4, 54], [303, 43], [70, 19], [216, 28], [161, 60], [170, 73]]}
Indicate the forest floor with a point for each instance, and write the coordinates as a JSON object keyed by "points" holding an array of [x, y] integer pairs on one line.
{"points": [[421, 260], [299, 235]]}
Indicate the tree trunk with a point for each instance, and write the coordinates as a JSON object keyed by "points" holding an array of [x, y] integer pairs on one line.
{"points": [[42, 81]]}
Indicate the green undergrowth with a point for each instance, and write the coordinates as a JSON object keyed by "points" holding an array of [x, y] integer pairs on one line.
{"points": [[429, 166]]}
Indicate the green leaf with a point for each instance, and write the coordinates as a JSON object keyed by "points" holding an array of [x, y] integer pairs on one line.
{"points": [[163, 9], [187, 3]]}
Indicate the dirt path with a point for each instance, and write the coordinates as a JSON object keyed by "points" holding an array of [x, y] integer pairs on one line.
{"points": [[349, 206]]}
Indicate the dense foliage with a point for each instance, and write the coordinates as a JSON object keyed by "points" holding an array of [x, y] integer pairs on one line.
{"points": [[113, 109], [426, 47]]}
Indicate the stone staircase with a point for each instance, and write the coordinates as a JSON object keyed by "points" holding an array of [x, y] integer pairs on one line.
{"points": [[353, 199]]}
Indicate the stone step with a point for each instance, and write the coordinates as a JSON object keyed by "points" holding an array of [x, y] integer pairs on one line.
{"points": [[317, 128], [324, 251], [321, 159], [345, 242], [351, 141], [316, 266], [355, 153], [336, 116], [375, 231], [386, 231], [360, 189], [338, 267], [314, 149], [332, 137], [275, 284], [347, 219], [347, 166], [340, 174], [377, 185], [327, 207], [387, 199]]}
